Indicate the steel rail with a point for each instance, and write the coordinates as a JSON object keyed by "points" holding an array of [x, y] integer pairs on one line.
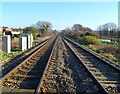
{"points": [[33, 49], [38, 89], [92, 53], [103, 90], [5, 77]]}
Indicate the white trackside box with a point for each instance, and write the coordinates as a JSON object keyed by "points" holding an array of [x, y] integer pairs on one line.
{"points": [[23, 43], [7, 44], [29, 39]]}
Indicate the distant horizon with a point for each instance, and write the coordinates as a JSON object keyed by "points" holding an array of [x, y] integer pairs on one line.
{"points": [[61, 14]]}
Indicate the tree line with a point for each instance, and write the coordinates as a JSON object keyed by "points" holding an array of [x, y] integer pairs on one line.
{"points": [[109, 30], [40, 29], [77, 30]]}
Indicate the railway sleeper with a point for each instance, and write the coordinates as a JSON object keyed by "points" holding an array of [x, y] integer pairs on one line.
{"points": [[44, 90], [110, 82], [101, 78], [25, 76], [105, 73], [27, 67], [19, 81], [35, 72], [92, 68], [23, 70], [17, 91], [30, 63]]}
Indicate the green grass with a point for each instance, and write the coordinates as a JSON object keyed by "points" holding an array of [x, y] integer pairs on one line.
{"points": [[4, 55], [16, 52], [15, 49], [118, 62]]}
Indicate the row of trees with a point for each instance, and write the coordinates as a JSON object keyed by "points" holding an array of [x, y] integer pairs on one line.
{"points": [[41, 29], [79, 27], [77, 30], [109, 30]]}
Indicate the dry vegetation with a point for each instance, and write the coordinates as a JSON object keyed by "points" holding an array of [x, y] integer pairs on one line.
{"points": [[90, 40]]}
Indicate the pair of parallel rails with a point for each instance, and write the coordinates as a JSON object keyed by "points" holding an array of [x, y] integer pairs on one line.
{"points": [[104, 75]]}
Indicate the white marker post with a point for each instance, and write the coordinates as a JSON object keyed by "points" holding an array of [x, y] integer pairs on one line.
{"points": [[23, 43], [7, 44]]}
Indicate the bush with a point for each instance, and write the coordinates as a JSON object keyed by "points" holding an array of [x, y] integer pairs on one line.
{"points": [[91, 34], [89, 40], [32, 31], [91, 47], [8, 33], [109, 49], [118, 49], [34, 36], [109, 56], [17, 36]]}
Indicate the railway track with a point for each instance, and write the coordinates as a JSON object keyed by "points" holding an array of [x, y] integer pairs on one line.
{"points": [[66, 74], [61, 66], [25, 76], [55, 79], [5, 68], [107, 75]]}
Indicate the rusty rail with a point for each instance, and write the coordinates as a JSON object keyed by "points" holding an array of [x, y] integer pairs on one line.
{"points": [[92, 53], [5, 77], [38, 89], [103, 90]]}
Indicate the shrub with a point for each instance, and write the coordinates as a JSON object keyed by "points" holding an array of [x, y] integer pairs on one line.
{"points": [[109, 49], [8, 33], [34, 36], [89, 40], [118, 62], [91, 47], [118, 49], [17, 36], [91, 34], [109, 56]]}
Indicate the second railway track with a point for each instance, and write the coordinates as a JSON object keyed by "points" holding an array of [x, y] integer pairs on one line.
{"points": [[106, 74]]}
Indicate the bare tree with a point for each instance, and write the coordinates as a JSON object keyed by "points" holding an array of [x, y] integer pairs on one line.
{"points": [[118, 33], [87, 29], [108, 30], [76, 27], [100, 31], [43, 27], [80, 28]]}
